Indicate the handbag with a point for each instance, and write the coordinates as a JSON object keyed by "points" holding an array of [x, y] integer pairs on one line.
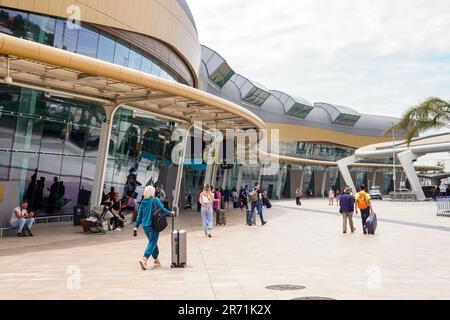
{"points": [[158, 218]]}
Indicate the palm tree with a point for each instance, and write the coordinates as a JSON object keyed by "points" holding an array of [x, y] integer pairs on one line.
{"points": [[433, 113]]}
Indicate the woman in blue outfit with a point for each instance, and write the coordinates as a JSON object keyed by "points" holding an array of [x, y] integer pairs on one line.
{"points": [[206, 200], [145, 218]]}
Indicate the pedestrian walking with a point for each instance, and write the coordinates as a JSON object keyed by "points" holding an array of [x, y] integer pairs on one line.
{"points": [[364, 204], [347, 204], [206, 200], [145, 217]]}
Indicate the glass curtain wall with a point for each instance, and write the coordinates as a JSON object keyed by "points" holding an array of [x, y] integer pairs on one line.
{"points": [[84, 39], [44, 137]]}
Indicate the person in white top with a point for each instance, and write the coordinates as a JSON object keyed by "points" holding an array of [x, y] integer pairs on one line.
{"points": [[22, 218]]}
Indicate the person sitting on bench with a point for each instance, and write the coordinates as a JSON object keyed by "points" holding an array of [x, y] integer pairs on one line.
{"points": [[21, 219]]}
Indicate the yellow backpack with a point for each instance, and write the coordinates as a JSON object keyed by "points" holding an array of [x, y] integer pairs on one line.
{"points": [[362, 201]]}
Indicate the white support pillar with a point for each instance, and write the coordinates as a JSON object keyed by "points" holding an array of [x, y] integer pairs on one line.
{"points": [[374, 179], [260, 173], [302, 180], [208, 174], [240, 175], [225, 179], [345, 172], [279, 184], [214, 175], [406, 159], [102, 157], [324, 182]]}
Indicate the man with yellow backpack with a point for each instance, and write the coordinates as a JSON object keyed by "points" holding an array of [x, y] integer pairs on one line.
{"points": [[364, 204]]}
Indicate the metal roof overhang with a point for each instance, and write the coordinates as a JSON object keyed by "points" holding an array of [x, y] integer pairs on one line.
{"points": [[45, 68]]}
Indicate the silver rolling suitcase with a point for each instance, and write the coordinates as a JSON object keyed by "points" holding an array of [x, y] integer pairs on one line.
{"points": [[179, 247]]}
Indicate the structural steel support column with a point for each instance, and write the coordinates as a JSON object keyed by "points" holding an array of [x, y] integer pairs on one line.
{"points": [[302, 180], [239, 179], [345, 172], [324, 182], [102, 157], [279, 184], [374, 179], [208, 174], [214, 175], [406, 159], [225, 179]]}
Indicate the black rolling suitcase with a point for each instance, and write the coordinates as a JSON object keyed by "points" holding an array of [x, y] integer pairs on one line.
{"points": [[221, 219], [371, 223]]}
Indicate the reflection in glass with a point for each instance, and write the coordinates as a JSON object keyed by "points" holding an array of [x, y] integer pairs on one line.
{"points": [[13, 22], [7, 126], [135, 60], [87, 42], [70, 38], [5, 157], [41, 29], [121, 55], [106, 49], [71, 176], [54, 135], [156, 70], [146, 65], [22, 168]]}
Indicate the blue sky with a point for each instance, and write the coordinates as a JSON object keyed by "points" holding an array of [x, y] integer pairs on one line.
{"points": [[378, 57]]}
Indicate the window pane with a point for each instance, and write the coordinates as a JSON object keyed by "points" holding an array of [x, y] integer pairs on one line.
{"points": [[135, 60], [5, 158], [146, 65], [87, 42], [70, 38], [106, 49], [41, 29], [163, 74], [7, 126], [71, 176], [122, 55], [22, 168], [59, 34], [156, 70], [53, 137], [13, 22]]}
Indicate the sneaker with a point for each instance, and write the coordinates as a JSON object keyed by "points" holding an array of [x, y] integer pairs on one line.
{"points": [[20, 235], [265, 222], [344, 232], [118, 230], [353, 231], [143, 264]]}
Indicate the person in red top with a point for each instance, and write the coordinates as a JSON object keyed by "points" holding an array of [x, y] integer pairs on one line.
{"points": [[217, 203]]}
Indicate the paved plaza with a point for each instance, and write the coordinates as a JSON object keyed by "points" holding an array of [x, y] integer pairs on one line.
{"points": [[407, 259]]}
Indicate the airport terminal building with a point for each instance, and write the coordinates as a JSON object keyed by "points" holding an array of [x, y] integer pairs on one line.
{"points": [[86, 102]]}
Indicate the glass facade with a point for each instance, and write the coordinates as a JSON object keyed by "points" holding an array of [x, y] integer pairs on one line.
{"points": [[256, 96], [50, 136], [316, 151], [84, 39], [222, 75]]}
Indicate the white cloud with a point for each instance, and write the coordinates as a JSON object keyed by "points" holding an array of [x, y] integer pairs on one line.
{"points": [[378, 56]]}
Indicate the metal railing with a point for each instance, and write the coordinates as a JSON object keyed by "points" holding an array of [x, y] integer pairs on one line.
{"points": [[443, 206]]}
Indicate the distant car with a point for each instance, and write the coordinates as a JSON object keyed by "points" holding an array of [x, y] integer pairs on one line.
{"points": [[375, 193]]}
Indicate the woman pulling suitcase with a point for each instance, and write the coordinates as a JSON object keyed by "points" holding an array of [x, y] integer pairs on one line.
{"points": [[145, 217]]}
